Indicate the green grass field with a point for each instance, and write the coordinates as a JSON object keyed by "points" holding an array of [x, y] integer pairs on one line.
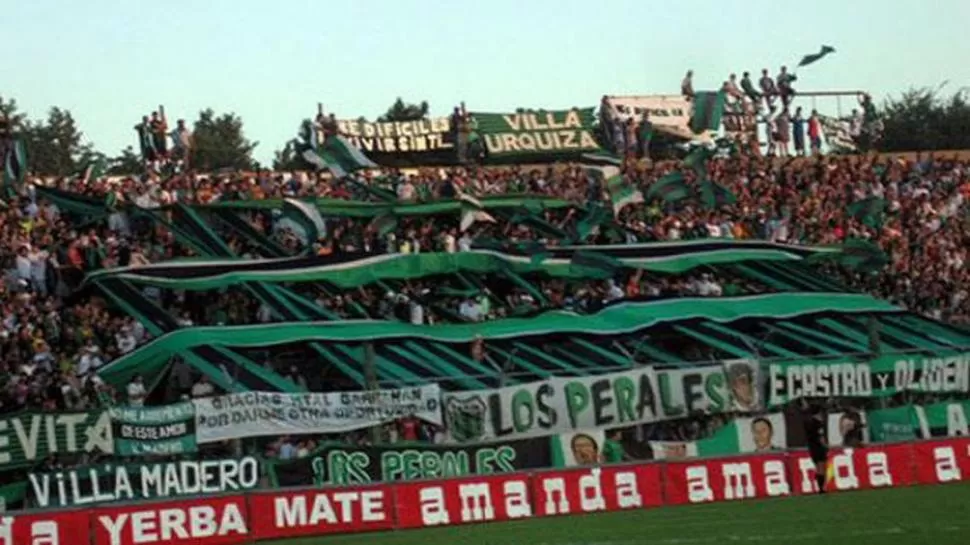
{"points": [[929, 515]]}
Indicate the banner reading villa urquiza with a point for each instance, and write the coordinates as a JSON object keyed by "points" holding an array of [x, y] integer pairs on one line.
{"points": [[883, 376], [419, 142], [536, 133], [257, 414], [561, 405], [117, 482], [168, 429]]}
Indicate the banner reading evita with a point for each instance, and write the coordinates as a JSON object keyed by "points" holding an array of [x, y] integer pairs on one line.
{"points": [[420, 141], [258, 414], [30, 437], [536, 134], [883, 376], [562, 405]]}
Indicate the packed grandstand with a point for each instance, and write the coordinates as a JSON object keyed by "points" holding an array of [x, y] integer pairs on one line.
{"points": [[478, 294]]}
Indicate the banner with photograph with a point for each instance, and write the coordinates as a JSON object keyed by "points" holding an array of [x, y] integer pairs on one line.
{"points": [[106, 483], [258, 414], [535, 134], [340, 464], [879, 377], [563, 405], [763, 433], [419, 142], [164, 430]]}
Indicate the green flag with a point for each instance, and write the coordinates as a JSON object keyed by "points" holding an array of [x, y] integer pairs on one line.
{"points": [[708, 109], [95, 169], [384, 224], [809, 59], [623, 192], [595, 216], [868, 211], [697, 159], [15, 163], [338, 155], [862, 255], [307, 216], [714, 195], [671, 188], [594, 264]]}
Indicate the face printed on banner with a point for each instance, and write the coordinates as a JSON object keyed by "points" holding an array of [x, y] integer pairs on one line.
{"points": [[762, 434], [742, 382], [847, 429], [585, 449]]}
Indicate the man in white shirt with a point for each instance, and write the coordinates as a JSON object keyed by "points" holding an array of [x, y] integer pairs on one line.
{"points": [[202, 388], [136, 392]]}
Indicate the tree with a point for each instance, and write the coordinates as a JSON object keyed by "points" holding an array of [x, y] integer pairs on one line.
{"points": [[399, 111], [219, 142], [54, 146], [287, 159], [129, 162], [10, 112], [922, 120]]}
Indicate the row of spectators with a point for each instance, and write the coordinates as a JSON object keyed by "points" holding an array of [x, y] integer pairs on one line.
{"points": [[807, 201]]}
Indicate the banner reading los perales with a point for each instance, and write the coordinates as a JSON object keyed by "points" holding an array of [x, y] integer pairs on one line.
{"points": [[256, 414], [562, 405]]}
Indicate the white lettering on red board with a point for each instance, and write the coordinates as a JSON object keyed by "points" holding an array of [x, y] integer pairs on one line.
{"points": [[331, 508], [174, 523]]}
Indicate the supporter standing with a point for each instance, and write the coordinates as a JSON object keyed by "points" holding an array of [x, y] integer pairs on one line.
{"points": [[798, 132], [815, 133]]}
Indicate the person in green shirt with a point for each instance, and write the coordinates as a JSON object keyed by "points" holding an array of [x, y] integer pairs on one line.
{"points": [[612, 448]]}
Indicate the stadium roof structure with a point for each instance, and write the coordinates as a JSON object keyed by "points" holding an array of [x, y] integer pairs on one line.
{"points": [[802, 315]]}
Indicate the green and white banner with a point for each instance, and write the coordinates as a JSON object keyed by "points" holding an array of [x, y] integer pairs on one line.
{"points": [[878, 377], [164, 430], [107, 483], [563, 405], [258, 414], [919, 422], [29, 438], [536, 133]]}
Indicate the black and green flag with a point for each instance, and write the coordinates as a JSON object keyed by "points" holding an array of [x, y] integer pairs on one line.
{"points": [[15, 163], [708, 109], [811, 58], [868, 211], [670, 188], [594, 264], [713, 195]]}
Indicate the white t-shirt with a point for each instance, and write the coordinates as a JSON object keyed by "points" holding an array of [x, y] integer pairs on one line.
{"points": [[136, 394]]}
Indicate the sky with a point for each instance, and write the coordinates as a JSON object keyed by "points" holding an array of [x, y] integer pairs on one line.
{"points": [[111, 61]]}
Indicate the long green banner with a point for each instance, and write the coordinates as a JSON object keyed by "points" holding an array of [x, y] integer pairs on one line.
{"points": [[536, 134], [619, 319], [877, 377], [216, 274], [563, 405]]}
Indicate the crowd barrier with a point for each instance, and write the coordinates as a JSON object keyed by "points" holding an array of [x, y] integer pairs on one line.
{"points": [[279, 514]]}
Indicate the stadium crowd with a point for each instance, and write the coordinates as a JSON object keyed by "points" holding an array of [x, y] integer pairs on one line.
{"points": [[52, 341]]}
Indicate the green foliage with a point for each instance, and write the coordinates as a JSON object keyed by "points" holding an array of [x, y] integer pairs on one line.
{"points": [[220, 143], [287, 159], [921, 120], [129, 162], [399, 111], [55, 145]]}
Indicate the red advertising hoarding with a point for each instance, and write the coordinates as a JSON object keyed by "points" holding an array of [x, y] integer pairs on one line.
{"points": [[265, 515]]}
